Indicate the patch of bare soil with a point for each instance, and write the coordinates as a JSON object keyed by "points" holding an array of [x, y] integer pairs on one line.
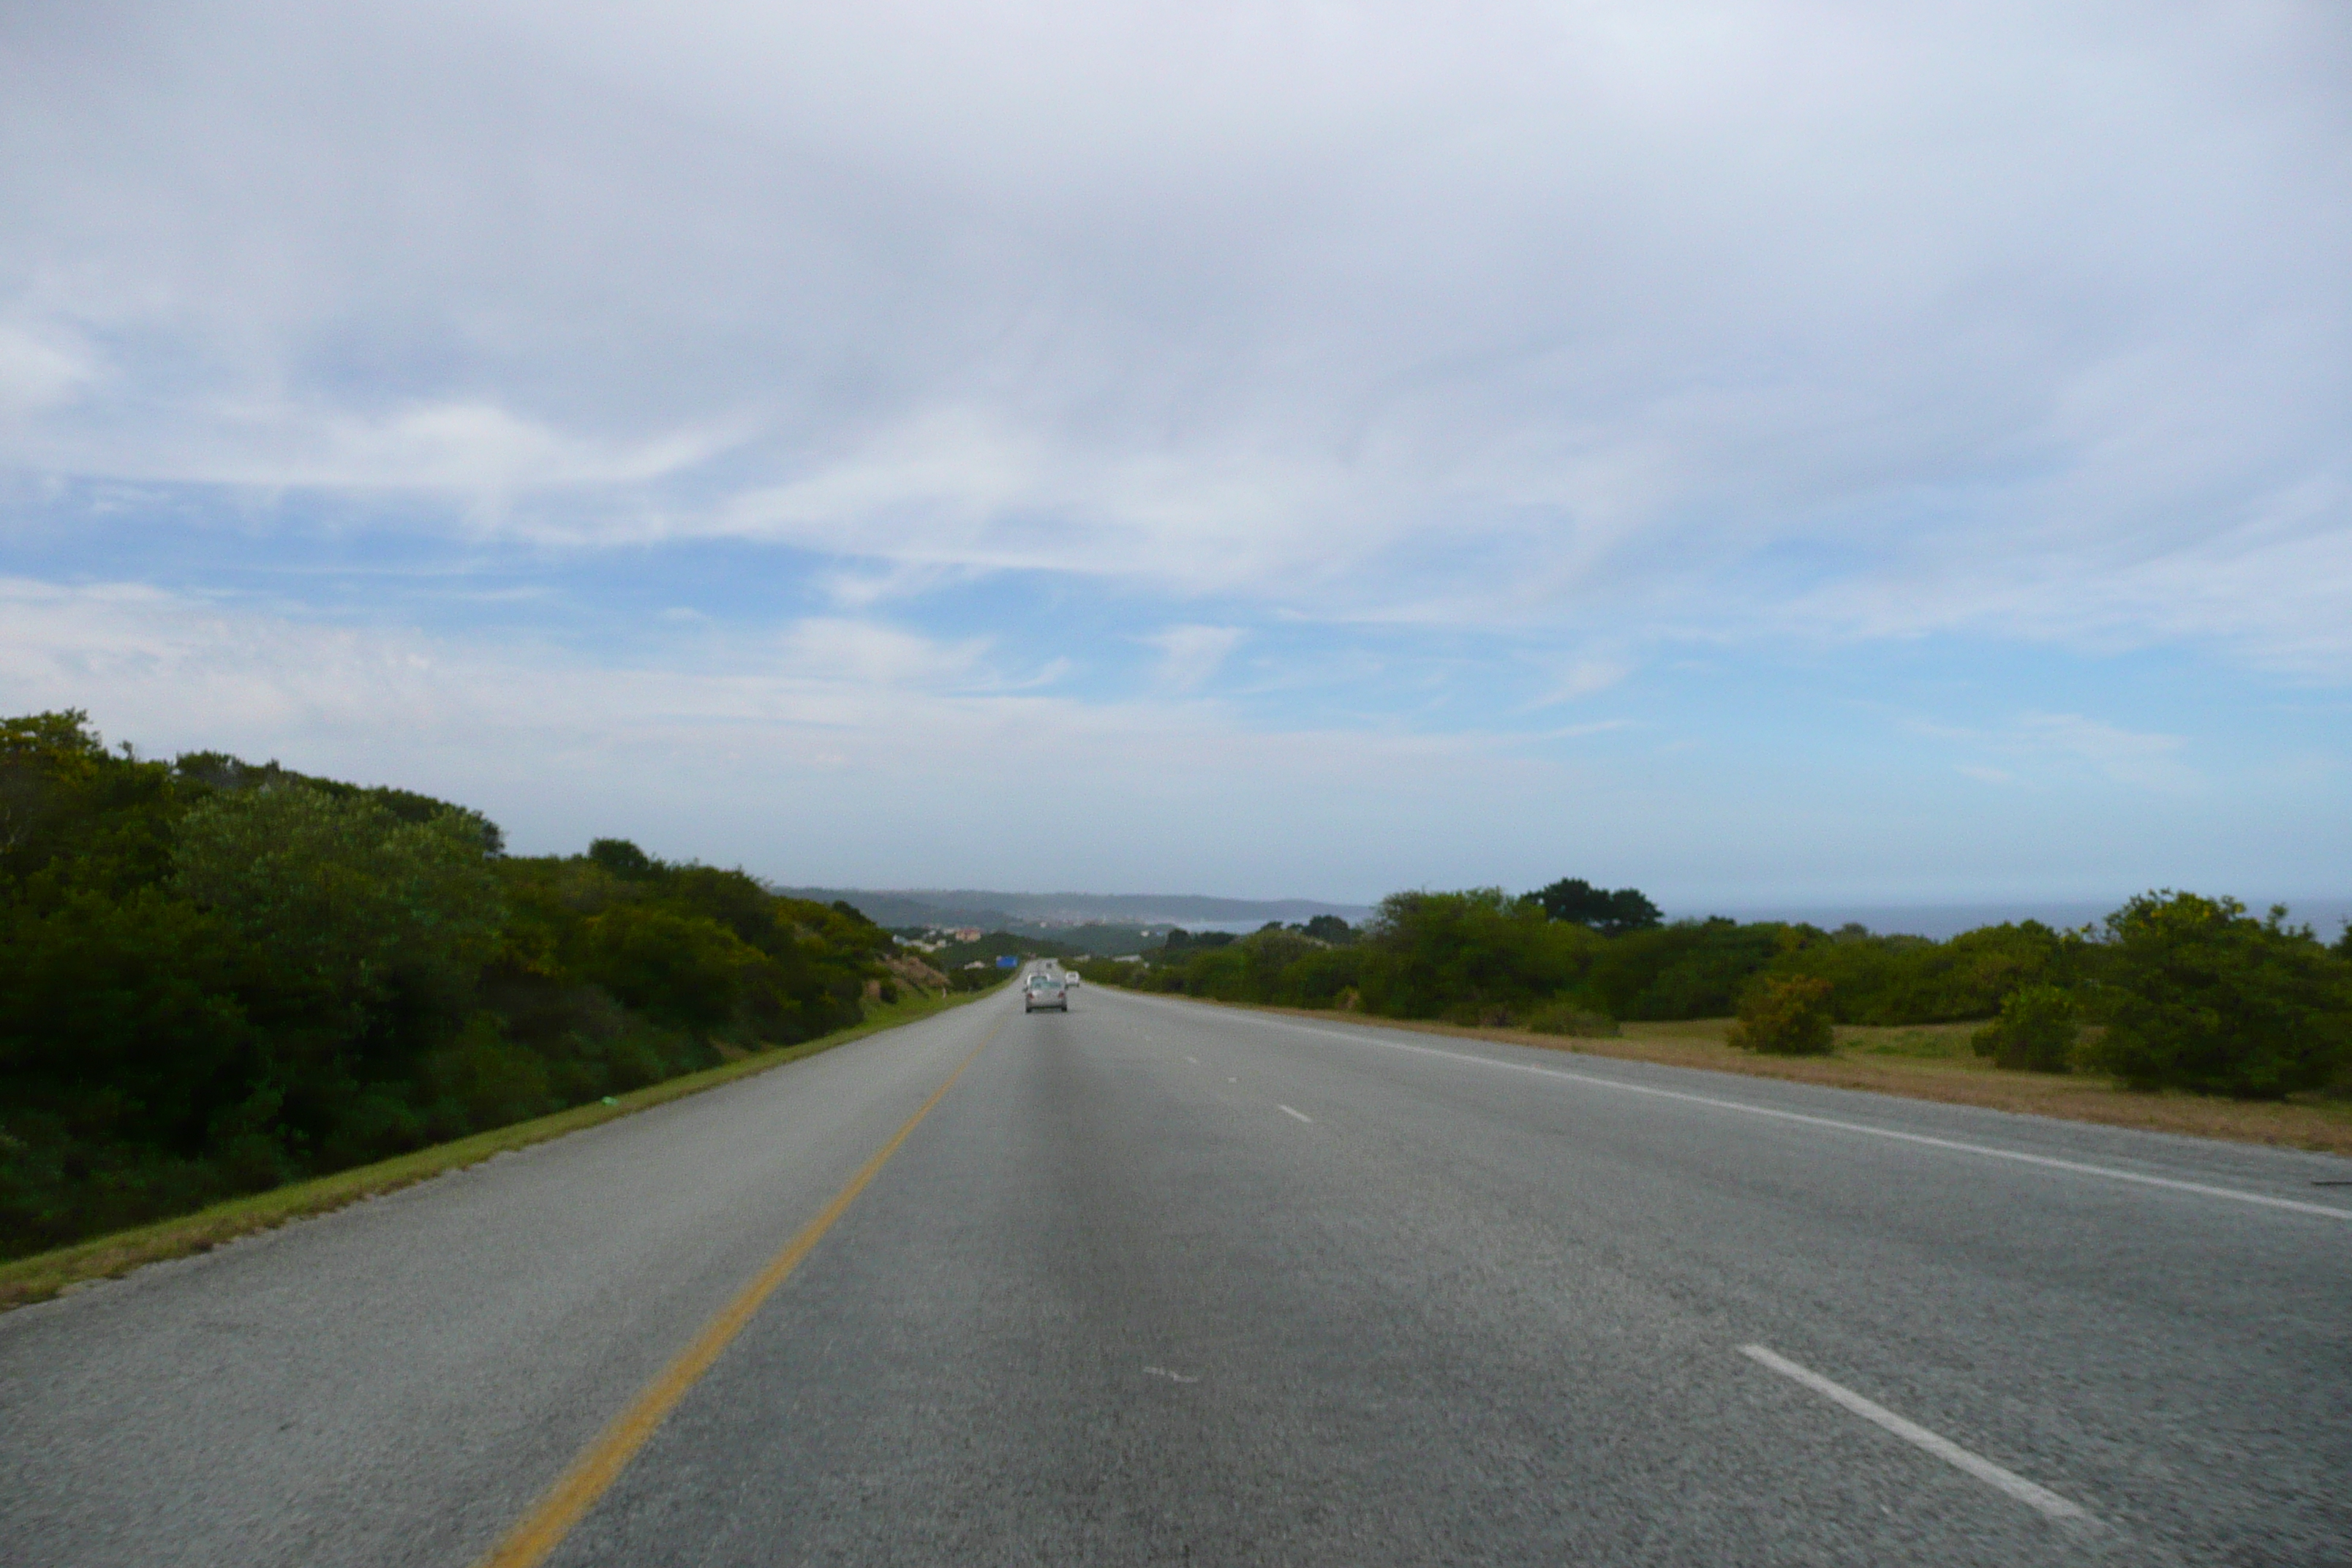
{"points": [[916, 973]]}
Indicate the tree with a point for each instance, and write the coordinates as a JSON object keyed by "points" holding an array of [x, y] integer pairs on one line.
{"points": [[1468, 955], [1614, 913], [680, 969], [622, 858], [44, 757], [1331, 929], [1691, 969], [2198, 995], [342, 897], [122, 1018], [1911, 980]]}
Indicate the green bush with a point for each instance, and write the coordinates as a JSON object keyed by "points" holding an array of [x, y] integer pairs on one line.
{"points": [[1321, 977], [1911, 980], [1568, 1018], [341, 895], [2199, 995], [2035, 1032], [1691, 969], [1785, 1017], [480, 1081], [1468, 955], [680, 969], [215, 977], [1111, 972]]}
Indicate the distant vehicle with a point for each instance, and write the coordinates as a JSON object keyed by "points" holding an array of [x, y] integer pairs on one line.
{"points": [[1045, 991], [1070, 978]]}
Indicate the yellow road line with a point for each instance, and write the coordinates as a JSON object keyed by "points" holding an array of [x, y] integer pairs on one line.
{"points": [[542, 1529]]}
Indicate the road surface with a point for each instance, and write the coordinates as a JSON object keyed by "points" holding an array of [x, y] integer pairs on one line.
{"points": [[1156, 1281]]}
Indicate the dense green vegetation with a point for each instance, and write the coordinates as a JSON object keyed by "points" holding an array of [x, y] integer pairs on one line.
{"points": [[2174, 990], [216, 977]]}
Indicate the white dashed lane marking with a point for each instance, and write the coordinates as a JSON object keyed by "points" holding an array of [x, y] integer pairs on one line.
{"points": [[1918, 1437]]}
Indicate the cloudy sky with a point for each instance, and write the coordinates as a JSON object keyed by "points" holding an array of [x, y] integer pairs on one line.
{"points": [[1756, 451]]}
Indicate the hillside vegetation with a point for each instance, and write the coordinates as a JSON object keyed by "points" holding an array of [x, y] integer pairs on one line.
{"points": [[218, 977], [2172, 990]]}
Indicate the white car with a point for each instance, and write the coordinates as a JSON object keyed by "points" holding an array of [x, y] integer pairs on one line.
{"points": [[1044, 991]]}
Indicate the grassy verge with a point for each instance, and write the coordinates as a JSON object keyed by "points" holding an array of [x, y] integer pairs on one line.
{"points": [[1929, 1061], [46, 1274]]}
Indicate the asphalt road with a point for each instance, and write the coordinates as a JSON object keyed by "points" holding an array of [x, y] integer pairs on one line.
{"points": [[1156, 1281]]}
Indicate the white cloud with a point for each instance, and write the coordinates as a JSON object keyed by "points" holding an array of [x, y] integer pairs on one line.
{"points": [[2018, 318], [1190, 654], [1583, 677], [864, 653], [2123, 756], [2044, 749], [469, 451], [474, 446], [37, 373]]}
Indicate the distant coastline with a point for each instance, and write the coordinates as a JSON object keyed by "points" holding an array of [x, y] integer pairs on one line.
{"points": [[1032, 913], [2326, 916]]}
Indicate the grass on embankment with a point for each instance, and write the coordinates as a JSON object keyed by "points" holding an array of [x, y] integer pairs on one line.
{"points": [[47, 1274], [1933, 1061]]}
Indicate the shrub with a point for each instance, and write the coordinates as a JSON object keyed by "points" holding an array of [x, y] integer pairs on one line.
{"points": [[1911, 980], [338, 892], [1568, 1018], [2201, 996], [1459, 954], [1319, 978], [1692, 969], [2034, 1033], [1787, 1017], [680, 969], [480, 1081]]}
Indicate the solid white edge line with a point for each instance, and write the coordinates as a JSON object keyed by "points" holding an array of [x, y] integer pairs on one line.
{"points": [[2044, 1161], [1918, 1437], [1300, 1114]]}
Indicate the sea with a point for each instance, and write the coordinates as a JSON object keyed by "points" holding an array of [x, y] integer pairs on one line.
{"points": [[2327, 917]]}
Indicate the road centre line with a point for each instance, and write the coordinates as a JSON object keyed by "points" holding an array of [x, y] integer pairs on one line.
{"points": [[563, 1505], [2045, 1161], [1300, 1114], [2049, 1503]]}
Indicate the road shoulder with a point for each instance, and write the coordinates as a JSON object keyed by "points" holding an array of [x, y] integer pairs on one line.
{"points": [[2323, 1128]]}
